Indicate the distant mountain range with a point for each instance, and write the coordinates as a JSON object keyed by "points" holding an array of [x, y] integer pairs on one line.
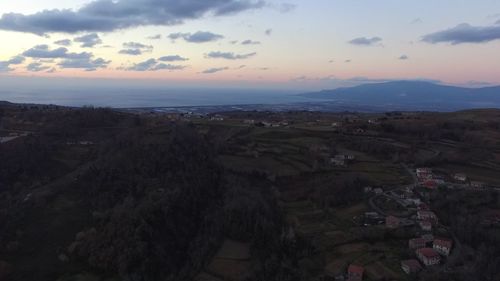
{"points": [[413, 95]]}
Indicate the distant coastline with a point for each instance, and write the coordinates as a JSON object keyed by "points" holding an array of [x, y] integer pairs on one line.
{"points": [[378, 97]]}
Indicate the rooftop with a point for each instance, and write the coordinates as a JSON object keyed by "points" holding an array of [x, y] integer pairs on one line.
{"points": [[356, 269], [443, 242], [427, 252]]}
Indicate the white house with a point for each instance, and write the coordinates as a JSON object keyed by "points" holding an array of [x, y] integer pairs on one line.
{"points": [[443, 246], [460, 177]]}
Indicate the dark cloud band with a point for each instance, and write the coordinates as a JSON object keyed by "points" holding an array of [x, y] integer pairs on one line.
{"points": [[229, 55], [197, 37], [464, 33], [108, 15], [365, 41]]}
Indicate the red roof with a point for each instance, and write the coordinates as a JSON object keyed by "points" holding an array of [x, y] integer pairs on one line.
{"points": [[445, 243], [425, 214], [427, 252], [430, 184], [356, 269]]}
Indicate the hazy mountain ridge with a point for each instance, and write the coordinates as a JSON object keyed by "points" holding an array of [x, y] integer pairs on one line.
{"points": [[413, 93]]}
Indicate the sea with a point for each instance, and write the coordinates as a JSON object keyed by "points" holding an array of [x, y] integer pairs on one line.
{"points": [[132, 98], [124, 95]]}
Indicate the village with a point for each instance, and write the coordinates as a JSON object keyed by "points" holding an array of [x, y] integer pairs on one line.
{"points": [[429, 250]]}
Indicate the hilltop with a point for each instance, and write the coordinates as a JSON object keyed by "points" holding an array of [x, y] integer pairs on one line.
{"points": [[417, 94]]}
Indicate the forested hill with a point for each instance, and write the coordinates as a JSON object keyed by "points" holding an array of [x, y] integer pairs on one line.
{"points": [[120, 196]]}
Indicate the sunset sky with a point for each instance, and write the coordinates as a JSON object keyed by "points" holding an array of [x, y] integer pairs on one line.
{"points": [[315, 43]]}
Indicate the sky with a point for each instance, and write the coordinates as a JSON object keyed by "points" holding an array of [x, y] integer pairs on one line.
{"points": [[253, 43]]}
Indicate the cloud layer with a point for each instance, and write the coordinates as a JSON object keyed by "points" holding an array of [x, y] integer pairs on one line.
{"points": [[214, 70], [229, 55], [44, 52], [83, 60], [173, 58], [108, 15], [63, 42], [464, 33], [5, 65], [88, 64], [198, 37], [89, 40], [37, 67], [154, 65], [365, 41], [135, 48], [154, 37], [250, 42]]}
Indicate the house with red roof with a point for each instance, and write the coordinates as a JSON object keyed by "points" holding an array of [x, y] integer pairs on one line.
{"points": [[355, 273], [411, 266], [442, 246], [430, 184], [424, 173], [428, 256]]}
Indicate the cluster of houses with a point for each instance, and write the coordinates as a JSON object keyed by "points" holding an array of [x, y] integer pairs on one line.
{"points": [[217, 117], [187, 116], [429, 180], [463, 179], [406, 197], [427, 254], [428, 249]]}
